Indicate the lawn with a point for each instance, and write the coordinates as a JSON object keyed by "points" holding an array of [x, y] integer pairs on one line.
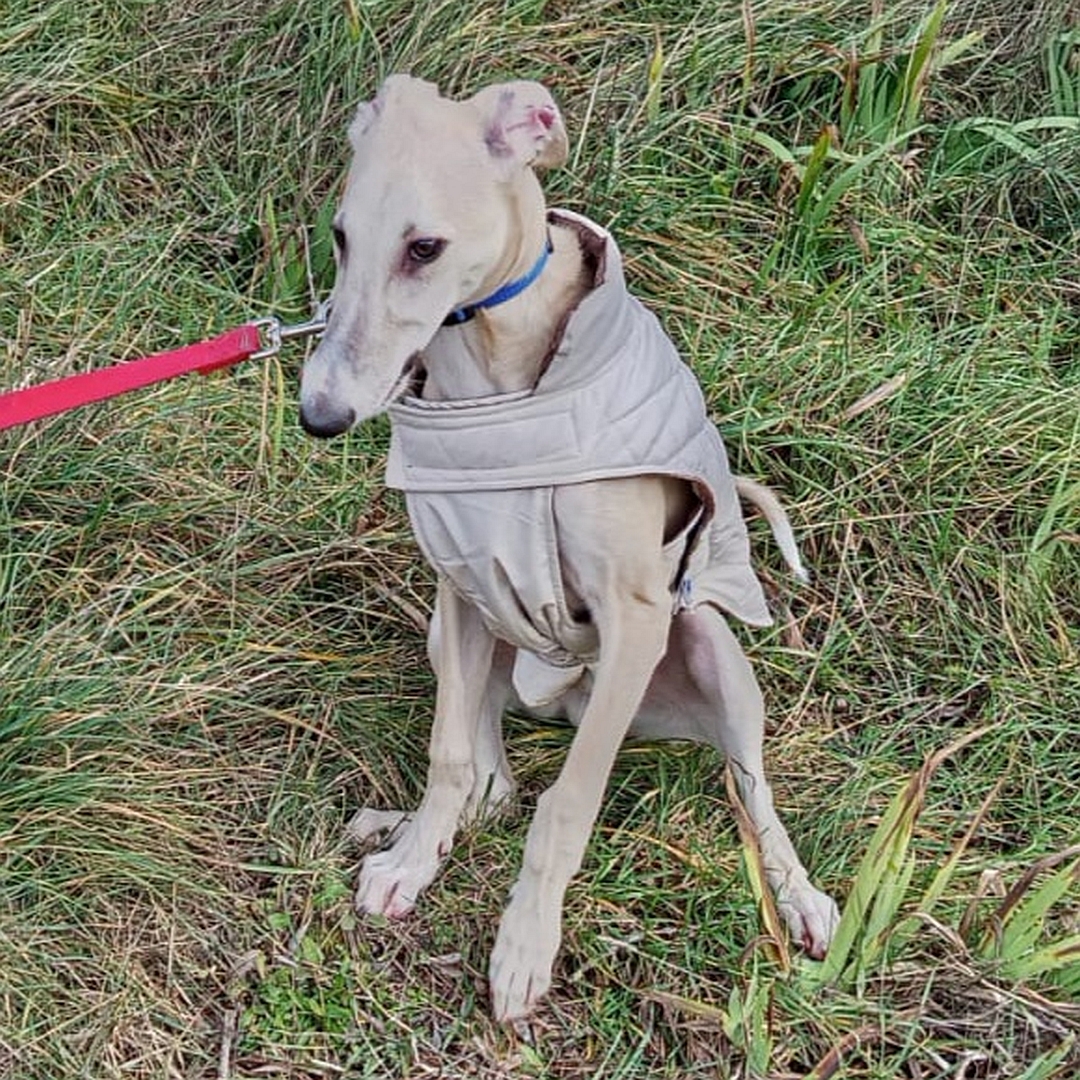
{"points": [[860, 222]]}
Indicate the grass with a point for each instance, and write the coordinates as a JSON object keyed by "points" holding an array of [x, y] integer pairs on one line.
{"points": [[860, 222]]}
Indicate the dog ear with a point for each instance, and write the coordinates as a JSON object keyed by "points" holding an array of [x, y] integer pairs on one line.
{"points": [[395, 86], [522, 125], [366, 112]]}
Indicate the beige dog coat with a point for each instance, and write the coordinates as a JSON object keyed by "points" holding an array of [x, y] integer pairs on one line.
{"points": [[615, 400]]}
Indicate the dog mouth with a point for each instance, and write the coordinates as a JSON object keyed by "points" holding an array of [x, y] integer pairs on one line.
{"points": [[409, 382]]}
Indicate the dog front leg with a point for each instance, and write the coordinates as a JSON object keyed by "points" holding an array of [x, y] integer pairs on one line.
{"points": [[531, 927], [391, 880]]}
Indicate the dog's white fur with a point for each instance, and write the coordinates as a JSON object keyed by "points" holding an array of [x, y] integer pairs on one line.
{"points": [[461, 173]]}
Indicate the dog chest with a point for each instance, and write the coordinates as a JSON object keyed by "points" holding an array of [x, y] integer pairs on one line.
{"points": [[615, 401]]}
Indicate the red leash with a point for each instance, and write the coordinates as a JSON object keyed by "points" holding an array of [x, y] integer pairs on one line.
{"points": [[255, 340]]}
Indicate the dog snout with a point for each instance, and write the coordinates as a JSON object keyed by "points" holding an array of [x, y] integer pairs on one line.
{"points": [[322, 418]]}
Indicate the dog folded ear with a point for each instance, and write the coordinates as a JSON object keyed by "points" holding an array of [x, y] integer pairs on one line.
{"points": [[522, 125], [366, 112], [395, 87]]}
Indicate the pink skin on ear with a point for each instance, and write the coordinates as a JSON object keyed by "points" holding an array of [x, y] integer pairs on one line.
{"points": [[542, 116], [520, 130]]}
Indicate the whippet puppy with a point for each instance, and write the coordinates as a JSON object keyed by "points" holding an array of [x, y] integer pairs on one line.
{"points": [[565, 483]]}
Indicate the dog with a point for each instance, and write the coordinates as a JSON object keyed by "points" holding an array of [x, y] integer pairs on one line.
{"points": [[565, 483]]}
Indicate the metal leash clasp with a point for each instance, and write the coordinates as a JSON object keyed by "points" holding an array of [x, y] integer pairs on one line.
{"points": [[274, 334]]}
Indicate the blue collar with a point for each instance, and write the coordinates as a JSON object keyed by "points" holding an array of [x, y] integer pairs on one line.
{"points": [[503, 293]]}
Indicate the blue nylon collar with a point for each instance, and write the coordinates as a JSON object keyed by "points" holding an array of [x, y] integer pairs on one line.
{"points": [[503, 293]]}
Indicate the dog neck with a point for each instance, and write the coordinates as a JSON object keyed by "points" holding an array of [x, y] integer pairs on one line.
{"points": [[505, 348]]}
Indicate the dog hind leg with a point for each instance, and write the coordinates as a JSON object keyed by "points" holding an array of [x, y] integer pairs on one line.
{"points": [[705, 690], [493, 786]]}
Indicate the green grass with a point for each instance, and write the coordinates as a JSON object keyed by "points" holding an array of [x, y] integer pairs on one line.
{"points": [[861, 228]]}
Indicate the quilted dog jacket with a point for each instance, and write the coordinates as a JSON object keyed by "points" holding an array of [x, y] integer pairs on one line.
{"points": [[615, 400]]}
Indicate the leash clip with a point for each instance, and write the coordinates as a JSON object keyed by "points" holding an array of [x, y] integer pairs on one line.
{"points": [[273, 333]]}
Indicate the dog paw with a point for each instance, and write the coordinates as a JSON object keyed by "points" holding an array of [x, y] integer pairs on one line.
{"points": [[369, 825], [811, 917], [392, 880], [489, 802], [521, 962]]}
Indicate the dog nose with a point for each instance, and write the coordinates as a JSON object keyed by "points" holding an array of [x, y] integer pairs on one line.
{"points": [[324, 420]]}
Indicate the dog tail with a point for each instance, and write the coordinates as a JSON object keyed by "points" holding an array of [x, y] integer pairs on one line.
{"points": [[775, 514]]}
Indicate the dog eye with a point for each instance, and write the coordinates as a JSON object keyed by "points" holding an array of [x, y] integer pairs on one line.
{"points": [[426, 249]]}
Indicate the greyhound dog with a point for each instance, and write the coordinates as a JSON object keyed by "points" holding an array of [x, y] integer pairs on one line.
{"points": [[565, 483]]}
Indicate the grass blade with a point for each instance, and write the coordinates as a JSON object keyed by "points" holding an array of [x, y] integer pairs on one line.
{"points": [[1045, 1066], [847, 177], [655, 81], [1056, 957], [917, 75], [1019, 921], [775, 935], [944, 875], [815, 163], [882, 870]]}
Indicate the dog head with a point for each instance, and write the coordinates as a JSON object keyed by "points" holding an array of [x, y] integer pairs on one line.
{"points": [[430, 221]]}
